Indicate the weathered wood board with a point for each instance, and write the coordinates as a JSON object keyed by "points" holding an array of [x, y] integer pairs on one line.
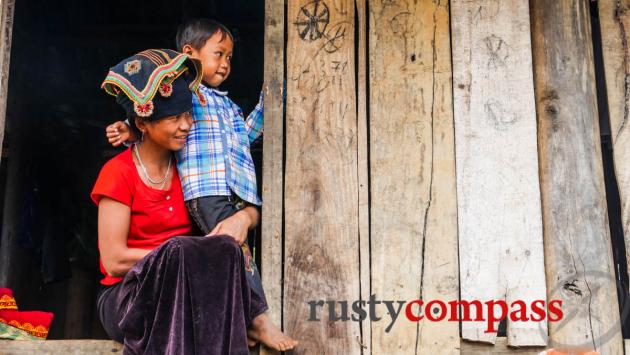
{"points": [[321, 192], [614, 17], [412, 171], [499, 210], [272, 193], [7, 7], [8, 240], [59, 347], [578, 258]]}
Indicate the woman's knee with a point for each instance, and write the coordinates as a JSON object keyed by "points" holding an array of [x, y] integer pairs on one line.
{"points": [[226, 244], [219, 246]]}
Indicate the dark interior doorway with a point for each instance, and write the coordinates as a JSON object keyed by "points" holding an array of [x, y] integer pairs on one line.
{"points": [[54, 143]]}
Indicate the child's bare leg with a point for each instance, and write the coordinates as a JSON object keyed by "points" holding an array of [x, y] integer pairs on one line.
{"points": [[263, 330]]}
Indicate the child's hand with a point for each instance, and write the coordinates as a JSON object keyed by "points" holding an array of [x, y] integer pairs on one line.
{"points": [[117, 133]]}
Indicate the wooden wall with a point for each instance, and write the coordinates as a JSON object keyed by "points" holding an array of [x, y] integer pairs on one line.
{"points": [[437, 150]]}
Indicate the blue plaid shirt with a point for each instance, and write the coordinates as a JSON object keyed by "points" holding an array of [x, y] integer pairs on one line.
{"points": [[216, 157]]}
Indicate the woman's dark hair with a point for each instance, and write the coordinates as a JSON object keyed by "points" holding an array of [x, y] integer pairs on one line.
{"points": [[196, 32]]}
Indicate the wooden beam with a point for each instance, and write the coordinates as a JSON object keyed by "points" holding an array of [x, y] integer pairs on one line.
{"points": [[412, 172], [499, 208], [321, 190], [6, 32], [273, 157], [578, 257], [60, 347], [614, 18]]}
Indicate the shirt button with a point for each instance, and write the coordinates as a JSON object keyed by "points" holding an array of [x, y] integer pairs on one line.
{"points": [[168, 198], [170, 209]]}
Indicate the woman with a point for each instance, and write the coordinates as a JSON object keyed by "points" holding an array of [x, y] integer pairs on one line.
{"points": [[164, 293]]}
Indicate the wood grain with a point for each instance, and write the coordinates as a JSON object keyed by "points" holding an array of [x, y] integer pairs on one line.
{"points": [[499, 208], [6, 27], [8, 242], [614, 17], [273, 157], [579, 265], [321, 190], [59, 347], [412, 176]]}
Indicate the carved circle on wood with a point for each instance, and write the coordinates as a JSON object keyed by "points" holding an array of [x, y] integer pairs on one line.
{"points": [[312, 20]]}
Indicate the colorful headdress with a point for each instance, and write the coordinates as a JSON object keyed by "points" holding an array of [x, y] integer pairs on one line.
{"points": [[154, 83]]}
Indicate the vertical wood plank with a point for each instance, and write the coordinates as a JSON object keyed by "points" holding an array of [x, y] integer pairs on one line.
{"points": [[499, 208], [614, 17], [363, 169], [6, 28], [273, 156], [578, 255], [412, 173], [321, 190], [8, 240]]}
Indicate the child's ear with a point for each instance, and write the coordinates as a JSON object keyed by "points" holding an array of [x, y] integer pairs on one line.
{"points": [[188, 49]]}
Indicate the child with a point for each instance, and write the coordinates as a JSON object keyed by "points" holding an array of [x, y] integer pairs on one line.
{"points": [[215, 166]]}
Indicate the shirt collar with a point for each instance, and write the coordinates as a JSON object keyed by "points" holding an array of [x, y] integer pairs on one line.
{"points": [[211, 90]]}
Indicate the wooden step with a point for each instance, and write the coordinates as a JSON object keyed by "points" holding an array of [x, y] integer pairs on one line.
{"points": [[69, 347], [65, 347]]}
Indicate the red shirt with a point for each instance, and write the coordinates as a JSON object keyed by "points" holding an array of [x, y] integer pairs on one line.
{"points": [[156, 215]]}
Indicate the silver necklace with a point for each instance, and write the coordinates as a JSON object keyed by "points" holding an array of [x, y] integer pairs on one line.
{"points": [[146, 174]]}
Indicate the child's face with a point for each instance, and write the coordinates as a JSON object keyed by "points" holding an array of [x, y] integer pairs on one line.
{"points": [[215, 58]]}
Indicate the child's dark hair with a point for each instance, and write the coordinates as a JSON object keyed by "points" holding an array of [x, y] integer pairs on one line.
{"points": [[196, 32]]}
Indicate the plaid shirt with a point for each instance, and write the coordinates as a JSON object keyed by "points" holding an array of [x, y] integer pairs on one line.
{"points": [[216, 157]]}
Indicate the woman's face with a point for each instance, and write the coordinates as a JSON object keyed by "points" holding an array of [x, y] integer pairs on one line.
{"points": [[169, 132]]}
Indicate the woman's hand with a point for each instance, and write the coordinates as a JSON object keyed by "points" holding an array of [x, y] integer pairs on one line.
{"points": [[237, 225]]}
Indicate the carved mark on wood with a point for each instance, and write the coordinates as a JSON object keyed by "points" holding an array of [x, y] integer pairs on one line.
{"points": [[334, 37], [498, 116], [399, 23], [498, 51], [312, 20]]}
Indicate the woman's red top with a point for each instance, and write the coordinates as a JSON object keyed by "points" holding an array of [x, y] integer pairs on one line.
{"points": [[156, 215]]}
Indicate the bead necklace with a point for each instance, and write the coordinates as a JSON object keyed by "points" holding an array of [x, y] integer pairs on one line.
{"points": [[146, 174]]}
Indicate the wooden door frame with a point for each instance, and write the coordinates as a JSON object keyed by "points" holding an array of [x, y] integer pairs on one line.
{"points": [[273, 159], [6, 16]]}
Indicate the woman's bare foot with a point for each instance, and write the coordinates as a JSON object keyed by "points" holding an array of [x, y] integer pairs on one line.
{"points": [[251, 342], [263, 330]]}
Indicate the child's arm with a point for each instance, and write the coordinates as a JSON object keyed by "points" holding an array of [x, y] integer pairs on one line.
{"points": [[254, 122], [118, 133]]}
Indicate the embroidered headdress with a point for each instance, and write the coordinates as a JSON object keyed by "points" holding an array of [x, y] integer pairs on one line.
{"points": [[155, 83]]}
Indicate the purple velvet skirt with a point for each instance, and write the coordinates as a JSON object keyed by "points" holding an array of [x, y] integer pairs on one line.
{"points": [[188, 296]]}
